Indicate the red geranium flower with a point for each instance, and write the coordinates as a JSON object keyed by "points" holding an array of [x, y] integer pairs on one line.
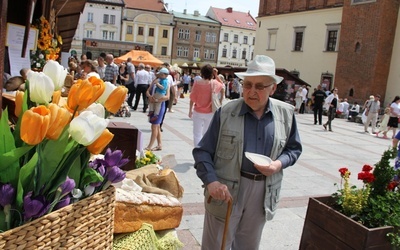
{"points": [[366, 177], [366, 168], [343, 171], [392, 185]]}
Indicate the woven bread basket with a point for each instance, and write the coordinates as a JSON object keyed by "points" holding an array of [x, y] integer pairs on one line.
{"points": [[87, 224]]}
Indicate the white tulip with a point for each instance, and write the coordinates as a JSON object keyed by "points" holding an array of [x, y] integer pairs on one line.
{"points": [[109, 88], [56, 72], [93, 74], [41, 87], [97, 109], [87, 127]]}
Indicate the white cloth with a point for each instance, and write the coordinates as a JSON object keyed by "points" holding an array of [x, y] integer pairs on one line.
{"points": [[201, 121], [142, 77]]}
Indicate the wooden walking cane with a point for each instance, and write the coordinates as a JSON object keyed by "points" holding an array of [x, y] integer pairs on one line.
{"points": [[227, 218]]}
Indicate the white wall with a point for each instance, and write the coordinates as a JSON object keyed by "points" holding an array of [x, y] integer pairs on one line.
{"points": [[312, 61]]}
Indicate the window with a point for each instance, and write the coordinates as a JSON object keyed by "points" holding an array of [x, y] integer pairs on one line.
{"points": [[105, 18], [185, 51], [332, 37], [180, 34], [234, 53], [198, 35], [208, 37], [111, 35], [213, 37], [362, 1], [196, 53], [245, 40], [90, 17], [244, 54], [298, 38], [224, 52], [271, 43], [105, 35], [129, 29], [212, 54], [165, 34], [206, 53], [179, 51], [163, 51], [298, 41], [226, 37], [89, 33], [151, 31], [140, 31], [254, 40], [235, 38], [112, 19], [187, 34]]}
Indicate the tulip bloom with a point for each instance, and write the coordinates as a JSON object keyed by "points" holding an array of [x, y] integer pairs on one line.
{"points": [[7, 194], [56, 72], [34, 125], [98, 145], [97, 109], [56, 97], [19, 100], [84, 92], [116, 98], [87, 127], [108, 89], [41, 87], [59, 118]]}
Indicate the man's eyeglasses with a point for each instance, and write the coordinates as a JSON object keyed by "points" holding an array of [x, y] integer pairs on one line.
{"points": [[260, 87]]}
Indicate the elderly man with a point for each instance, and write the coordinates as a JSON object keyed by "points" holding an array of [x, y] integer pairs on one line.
{"points": [[257, 124], [111, 70]]}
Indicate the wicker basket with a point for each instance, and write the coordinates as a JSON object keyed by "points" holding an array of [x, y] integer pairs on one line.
{"points": [[87, 224]]}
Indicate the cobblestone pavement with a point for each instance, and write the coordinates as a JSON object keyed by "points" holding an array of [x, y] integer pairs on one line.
{"points": [[314, 174]]}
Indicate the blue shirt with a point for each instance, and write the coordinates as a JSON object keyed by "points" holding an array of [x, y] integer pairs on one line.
{"points": [[258, 138], [164, 83]]}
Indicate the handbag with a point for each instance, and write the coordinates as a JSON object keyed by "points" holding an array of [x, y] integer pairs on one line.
{"points": [[215, 102]]}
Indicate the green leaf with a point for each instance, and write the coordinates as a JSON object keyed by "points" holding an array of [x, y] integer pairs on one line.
{"points": [[78, 167], [25, 181], [7, 142], [90, 176], [13, 156], [3, 225]]}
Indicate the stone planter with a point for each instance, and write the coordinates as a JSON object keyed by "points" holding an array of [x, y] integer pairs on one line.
{"points": [[326, 228]]}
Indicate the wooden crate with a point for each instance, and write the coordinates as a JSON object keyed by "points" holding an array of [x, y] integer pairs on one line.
{"points": [[125, 139], [326, 228]]}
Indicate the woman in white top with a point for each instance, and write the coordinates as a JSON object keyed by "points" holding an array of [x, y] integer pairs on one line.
{"points": [[298, 99], [394, 116]]}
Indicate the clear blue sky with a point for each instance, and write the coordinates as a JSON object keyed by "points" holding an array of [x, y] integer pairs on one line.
{"points": [[203, 5]]}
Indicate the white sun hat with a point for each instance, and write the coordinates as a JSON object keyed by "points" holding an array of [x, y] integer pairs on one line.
{"points": [[261, 66]]}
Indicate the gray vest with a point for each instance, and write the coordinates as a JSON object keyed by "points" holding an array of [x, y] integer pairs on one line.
{"points": [[229, 152]]}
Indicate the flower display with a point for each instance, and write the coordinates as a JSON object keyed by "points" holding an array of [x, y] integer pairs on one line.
{"points": [[147, 158], [44, 161], [48, 44], [376, 203]]}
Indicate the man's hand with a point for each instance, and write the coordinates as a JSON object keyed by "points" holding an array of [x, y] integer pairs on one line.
{"points": [[219, 191], [273, 168]]}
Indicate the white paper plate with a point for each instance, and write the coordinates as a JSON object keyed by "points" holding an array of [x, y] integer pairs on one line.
{"points": [[258, 159]]}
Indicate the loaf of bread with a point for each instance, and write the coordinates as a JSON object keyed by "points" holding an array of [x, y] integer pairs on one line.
{"points": [[134, 208]]}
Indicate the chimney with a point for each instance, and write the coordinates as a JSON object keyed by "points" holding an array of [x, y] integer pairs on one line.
{"points": [[196, 13], [184, 11], [229, 9]]}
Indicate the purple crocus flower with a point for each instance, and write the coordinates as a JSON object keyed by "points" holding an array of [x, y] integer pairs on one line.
{"points": [[114, 158], [115, 174], [67, 186], [35, 207], [7, 194], [99, 165], [62, 203]]}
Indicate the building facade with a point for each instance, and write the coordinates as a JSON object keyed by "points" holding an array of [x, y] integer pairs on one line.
{"points": [[349, 44], [196, 39], [149, 23], [237, 36]]}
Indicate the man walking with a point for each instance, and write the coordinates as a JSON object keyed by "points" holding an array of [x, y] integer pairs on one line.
{"points": [[142, 79], [318, 98], [131, 81], [372, 110]]}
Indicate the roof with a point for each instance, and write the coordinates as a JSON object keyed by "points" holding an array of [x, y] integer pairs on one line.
{"points": [[232, 18], [109, 2], [194, 17], [149, 5]]}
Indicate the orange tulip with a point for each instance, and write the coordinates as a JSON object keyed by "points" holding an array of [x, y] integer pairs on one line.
{"points": [[19, 101], [34, 124], [84, 92], [100, 143], [116, 98], [59, 118], [56, 97]]}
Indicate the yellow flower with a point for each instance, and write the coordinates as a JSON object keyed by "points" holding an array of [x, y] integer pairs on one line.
{"points": [[59, 39], [83, 93], [116, 98], [59, 118], [19, 99], [34, 125], [100, 143]]}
